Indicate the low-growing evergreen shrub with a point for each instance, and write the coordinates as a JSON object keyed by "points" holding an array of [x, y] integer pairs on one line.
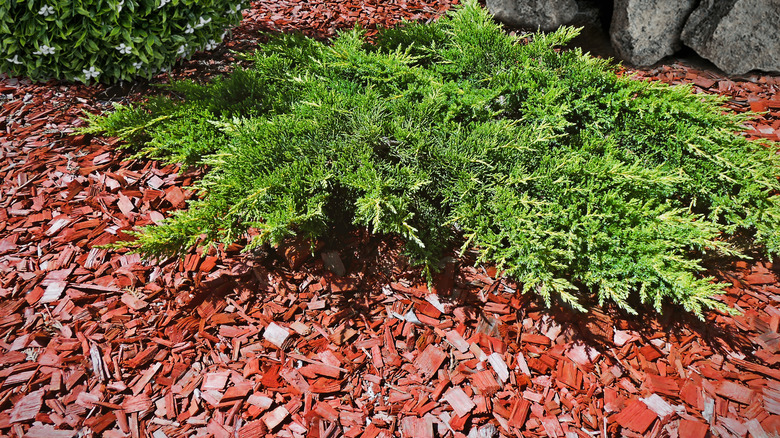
{"points": [[107, 40], [573, 180]]}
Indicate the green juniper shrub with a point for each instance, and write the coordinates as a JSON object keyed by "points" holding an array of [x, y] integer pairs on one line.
{"points": [[107, 40], [570, 178]]}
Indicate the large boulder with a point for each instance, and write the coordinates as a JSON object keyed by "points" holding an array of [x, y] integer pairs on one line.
{"points": [[736, 35], [644, 31], [533, 14]]}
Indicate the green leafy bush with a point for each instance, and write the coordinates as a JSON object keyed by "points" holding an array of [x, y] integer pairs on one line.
{"points": [[575, 181], [107, 40]]}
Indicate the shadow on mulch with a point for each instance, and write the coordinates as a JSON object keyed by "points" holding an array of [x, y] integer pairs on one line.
{"points": [[374, 262]]}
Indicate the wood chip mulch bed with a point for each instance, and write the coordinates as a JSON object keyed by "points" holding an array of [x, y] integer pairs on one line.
{"points": [[95, 342]]}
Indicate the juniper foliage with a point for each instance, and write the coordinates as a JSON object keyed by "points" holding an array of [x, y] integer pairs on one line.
{"points": [[572, 179]]}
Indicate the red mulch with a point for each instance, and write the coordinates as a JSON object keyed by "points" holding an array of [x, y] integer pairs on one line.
{"points": [[95, 342]]}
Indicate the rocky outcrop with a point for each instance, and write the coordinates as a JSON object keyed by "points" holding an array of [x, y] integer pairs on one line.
{"points": [[736, 35], [532, 14], [644, 31]]}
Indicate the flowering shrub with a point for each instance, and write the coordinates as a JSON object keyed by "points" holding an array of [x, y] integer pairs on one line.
{"points": [[107, 40]]}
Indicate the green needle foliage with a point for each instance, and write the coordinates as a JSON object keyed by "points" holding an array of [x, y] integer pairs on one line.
{"points": [[575, 181]]}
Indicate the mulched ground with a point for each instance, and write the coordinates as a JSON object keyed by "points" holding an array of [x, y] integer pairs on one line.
{"points": [[94, 342]]}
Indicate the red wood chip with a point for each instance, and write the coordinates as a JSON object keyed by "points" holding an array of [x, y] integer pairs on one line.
{"points": [[457, 341], [48, 431], [485, 382], [8, 244], [460, 402], [28, 407], [650, 352], [736, 392], [704, 82], [569, 374], [635, 416], [417, 427], [215, 381], [325, 386], [276, 335], [125, 205], [519, 413], [175, 196], [499, 366], [732, 425], [692, 429], [429, 361], [583, 355], [133, 302], [535, 339], [662, 385], [327, 412], [275, 417], [53, 292], [761, 278], [552, 427], [136, 403], [294, 378]]}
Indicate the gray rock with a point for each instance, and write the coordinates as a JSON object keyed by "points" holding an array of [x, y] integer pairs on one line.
{"points": [[736, 35], [644, 31], [533, 14], [587, 14]]}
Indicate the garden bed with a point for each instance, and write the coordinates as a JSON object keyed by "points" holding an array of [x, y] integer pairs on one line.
{"points": [[95, 339]]}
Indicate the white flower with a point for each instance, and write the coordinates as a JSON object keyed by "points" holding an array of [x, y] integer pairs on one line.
{"points": [[14, 60], [123, 49], [119, 6], [182, 49], [138, 65], [91, 73], [222, 38], [202, 22], [44, 50], [238, 7], [163, 3], [211, 45], [189, 29], [46, 10]]}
